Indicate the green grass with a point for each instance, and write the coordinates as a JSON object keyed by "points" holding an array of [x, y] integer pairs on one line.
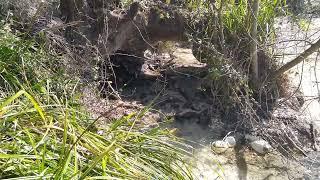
{"points": [[46, 134]]}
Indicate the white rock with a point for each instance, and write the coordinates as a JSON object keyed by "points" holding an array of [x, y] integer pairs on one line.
{"points": [[261, 146], [251, 138], [231, 141], [220, 144]]}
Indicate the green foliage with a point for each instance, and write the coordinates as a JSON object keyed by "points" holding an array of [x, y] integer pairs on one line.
{"points": [[303, 24], [45, 134], [236, 21], [197, 4], [221, 38], [22, 63], [48, 140], [126, 3], [237, 16]]}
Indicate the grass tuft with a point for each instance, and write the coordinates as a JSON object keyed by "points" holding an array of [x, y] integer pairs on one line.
{"points": [[46, 134]]}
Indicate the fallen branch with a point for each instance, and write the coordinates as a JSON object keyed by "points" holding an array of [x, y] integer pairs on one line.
{"points": [[313, 48]]}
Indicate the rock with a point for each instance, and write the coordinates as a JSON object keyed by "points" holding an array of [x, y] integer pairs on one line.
{"points": [[184, 62], [219, 146], [261, 146], [231, 141], [251, 138]]}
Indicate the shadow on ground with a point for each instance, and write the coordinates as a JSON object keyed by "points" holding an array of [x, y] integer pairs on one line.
{"points": [[174, 87]]}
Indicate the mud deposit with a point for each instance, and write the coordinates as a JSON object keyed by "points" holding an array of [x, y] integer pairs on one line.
{"points": [[173, 93]]}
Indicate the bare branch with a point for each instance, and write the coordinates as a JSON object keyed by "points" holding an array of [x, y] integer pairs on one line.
{"points": [[313, 48]]}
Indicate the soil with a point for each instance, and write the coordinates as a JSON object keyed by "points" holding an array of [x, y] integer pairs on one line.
{"points": [[171, 85], [304, 79]]}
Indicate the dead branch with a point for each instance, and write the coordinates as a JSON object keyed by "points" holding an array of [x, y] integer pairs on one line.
{"points": [[313, 48]]}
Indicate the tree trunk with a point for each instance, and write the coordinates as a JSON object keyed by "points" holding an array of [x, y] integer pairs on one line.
{"points": [[254, 43], [71, 9], [221, 27], [132, 30], [313, 48]]}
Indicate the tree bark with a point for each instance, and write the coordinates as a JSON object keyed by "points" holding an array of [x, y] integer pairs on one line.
{"points": [[71, 9], [254, 43], [313, 48], [221, 26], [132, 30]]}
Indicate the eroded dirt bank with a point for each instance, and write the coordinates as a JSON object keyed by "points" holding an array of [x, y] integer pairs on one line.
{"points": [[177, 93], [173, 85], [173, 88]]}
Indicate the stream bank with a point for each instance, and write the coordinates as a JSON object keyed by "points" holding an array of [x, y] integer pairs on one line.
{"points": [[176, 94], [304, 77], [172, 87], [172, 84]]}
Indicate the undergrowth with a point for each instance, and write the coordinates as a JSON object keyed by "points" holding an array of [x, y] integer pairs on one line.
{"points": [[229, 59], [46, 134]]}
